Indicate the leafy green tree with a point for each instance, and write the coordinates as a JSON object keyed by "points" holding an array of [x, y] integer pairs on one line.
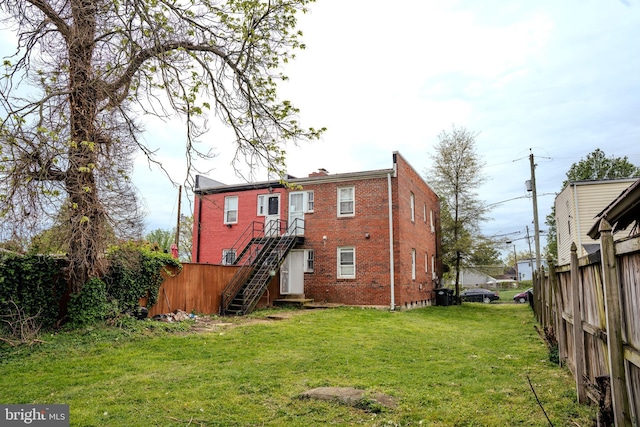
{"points": [[486, 257], [85, 72], [186, 238], [484, 252], [161, 239], [595, 166], [455, 175]]}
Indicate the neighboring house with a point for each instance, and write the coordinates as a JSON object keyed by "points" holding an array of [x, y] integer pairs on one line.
{"points": [[526, 267], [623, 214], [470, 278], [576, 207], [352, 244]]}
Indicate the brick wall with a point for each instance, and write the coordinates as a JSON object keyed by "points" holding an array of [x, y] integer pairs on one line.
{"points": [[213, 235], [367, 231]]}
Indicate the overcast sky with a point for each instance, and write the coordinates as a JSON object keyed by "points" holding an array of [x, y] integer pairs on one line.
{"points": [[554, 78]]}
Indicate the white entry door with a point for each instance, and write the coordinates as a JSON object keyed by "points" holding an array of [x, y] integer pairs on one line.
{"points": [[296, 210], [292, 274], [272, 215]]}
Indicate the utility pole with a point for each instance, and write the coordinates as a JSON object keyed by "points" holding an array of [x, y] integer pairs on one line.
{"points": [[178, 223], [534, 195]]}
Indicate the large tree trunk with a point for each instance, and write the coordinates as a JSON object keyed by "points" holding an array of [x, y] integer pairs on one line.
{"points": [[87, 216]]}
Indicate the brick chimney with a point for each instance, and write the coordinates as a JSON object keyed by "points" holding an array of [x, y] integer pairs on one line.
{"points": [[321, 172]]}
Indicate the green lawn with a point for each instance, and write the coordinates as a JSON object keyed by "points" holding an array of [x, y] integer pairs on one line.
{"points": [[446, 366]]}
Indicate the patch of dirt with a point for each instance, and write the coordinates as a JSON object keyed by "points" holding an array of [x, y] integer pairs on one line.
{"points": [[217, 323]]}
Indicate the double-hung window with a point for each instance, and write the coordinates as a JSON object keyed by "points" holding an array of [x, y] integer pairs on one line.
{"points": [[346, 262], [433, 225], [413, 264], [231, 209], [346, 201], [309, 260], [413, 207], [310, 201]]}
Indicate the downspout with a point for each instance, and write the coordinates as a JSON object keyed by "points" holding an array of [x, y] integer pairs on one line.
{"points": [[198, 228], [391, 261]]}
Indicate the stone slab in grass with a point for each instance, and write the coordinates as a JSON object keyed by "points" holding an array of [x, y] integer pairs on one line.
{"points": [[351, 396]]}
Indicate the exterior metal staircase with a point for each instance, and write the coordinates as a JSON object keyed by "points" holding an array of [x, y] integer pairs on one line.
{"points": [[260, 260]]}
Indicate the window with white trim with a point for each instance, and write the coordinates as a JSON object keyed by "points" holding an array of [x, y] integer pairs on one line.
{"points": [[413, 207], [346, 262], [433, 226], [310, 201], [309, 261], [231, 209], [413, 264], [262, 205], [228, 256], [426, 263], [346, 201], [433, 266], [424, 212]]}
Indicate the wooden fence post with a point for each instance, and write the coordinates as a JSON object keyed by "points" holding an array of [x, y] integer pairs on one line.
{"points": [[578, 333], [558, 321], [611, 286]]}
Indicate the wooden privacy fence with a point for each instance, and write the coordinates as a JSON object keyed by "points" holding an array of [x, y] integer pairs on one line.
{"points": [[591, 307], [197, 287]]}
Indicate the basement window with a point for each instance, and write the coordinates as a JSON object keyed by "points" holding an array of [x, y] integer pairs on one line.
{"points": [[228, 256]]}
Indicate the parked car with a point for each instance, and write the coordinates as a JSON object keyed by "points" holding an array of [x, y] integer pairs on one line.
{"points": [[523, 297], [479, 295]]}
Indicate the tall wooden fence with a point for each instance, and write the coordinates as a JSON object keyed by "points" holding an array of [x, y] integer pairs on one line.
{"points": [[198, 287], [592, 308]]}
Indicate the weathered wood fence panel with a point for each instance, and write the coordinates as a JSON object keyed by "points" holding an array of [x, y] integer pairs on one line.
{"points": [[607, 296], [198, 287]]}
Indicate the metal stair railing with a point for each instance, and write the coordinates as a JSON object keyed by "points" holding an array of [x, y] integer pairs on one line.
{"points": [[255, 230], [250, 285]]}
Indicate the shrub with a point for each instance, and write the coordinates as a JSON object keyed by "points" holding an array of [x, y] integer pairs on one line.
{"points": [[90, 305], [33, 285], [136, 272]]}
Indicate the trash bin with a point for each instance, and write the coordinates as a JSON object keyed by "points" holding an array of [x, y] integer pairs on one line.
{"points": [[444, 296]]}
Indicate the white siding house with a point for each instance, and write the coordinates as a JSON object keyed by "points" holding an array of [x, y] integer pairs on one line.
{"points": [[577, 205]]}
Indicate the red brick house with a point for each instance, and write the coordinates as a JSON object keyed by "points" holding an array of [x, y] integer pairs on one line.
{"points": [[330, 237]]}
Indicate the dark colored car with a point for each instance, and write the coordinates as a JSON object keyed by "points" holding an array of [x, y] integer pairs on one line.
{"points": [[523, 297], [479, 295]]}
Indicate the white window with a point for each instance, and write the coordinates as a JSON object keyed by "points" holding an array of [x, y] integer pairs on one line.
{"points": [[413, 264], [228, 256], [433, 227], [309, 260], [433, 267], [310, 201], [426, 263], [413, 207], [347, 262], [231, 209], [424, 212], [346, 202], [262, 205]]}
